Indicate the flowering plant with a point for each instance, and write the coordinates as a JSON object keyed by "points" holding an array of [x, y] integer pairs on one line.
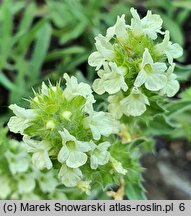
{"points": [[134, 66], [92, 150], [19, 179]]}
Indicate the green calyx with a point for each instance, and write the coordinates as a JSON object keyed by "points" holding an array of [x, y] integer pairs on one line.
{"points": [[54, 113]]}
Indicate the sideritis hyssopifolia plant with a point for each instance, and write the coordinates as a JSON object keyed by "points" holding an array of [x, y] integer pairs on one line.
{"points": [[19, 179], [66, 135], [135, 66]]}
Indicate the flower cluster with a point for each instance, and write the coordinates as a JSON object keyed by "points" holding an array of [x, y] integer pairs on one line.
{"points": [[133, 65], [63, 132], [19, 179]]}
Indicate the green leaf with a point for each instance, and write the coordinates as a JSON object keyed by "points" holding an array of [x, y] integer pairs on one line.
{"points": [[81, 78], [40, 50], [174, 28], [73, 33], [183, 4], [183, 72], [26, 39], [6, 17], [22, 68], [178, 107], [27, 18], [133, 185], [79, 13], [135, 192], [182, 16], [160, 126], [186, 94], [179, 114], [79, 59], [148, 145], [6, 82], [6, 31], [17, 6], [61, 53], [165, 4], [58, 13], [177, 111], [76, 102]]}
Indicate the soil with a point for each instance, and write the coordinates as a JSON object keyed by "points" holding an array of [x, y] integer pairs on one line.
{"points": [[168, 172]]}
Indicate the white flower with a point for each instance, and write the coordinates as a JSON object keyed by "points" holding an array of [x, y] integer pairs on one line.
{"points": [[73, 89], [119, 29], [30, 196], [136, 27], [117, 166], [168, 48], [111, 79], [135, 103], [72, 151], [150, 25], [84, 186], [151, 74], [44, 89], [67, 115], [17, 162], [26, 183], [69, 176], [99, 155], [105, 52], [114, 106], [124, 134], [5, 186], [100, 123], [58, 195], [172, 85], [40, 157], [22, 120], [16, 146], [47, 182]]}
